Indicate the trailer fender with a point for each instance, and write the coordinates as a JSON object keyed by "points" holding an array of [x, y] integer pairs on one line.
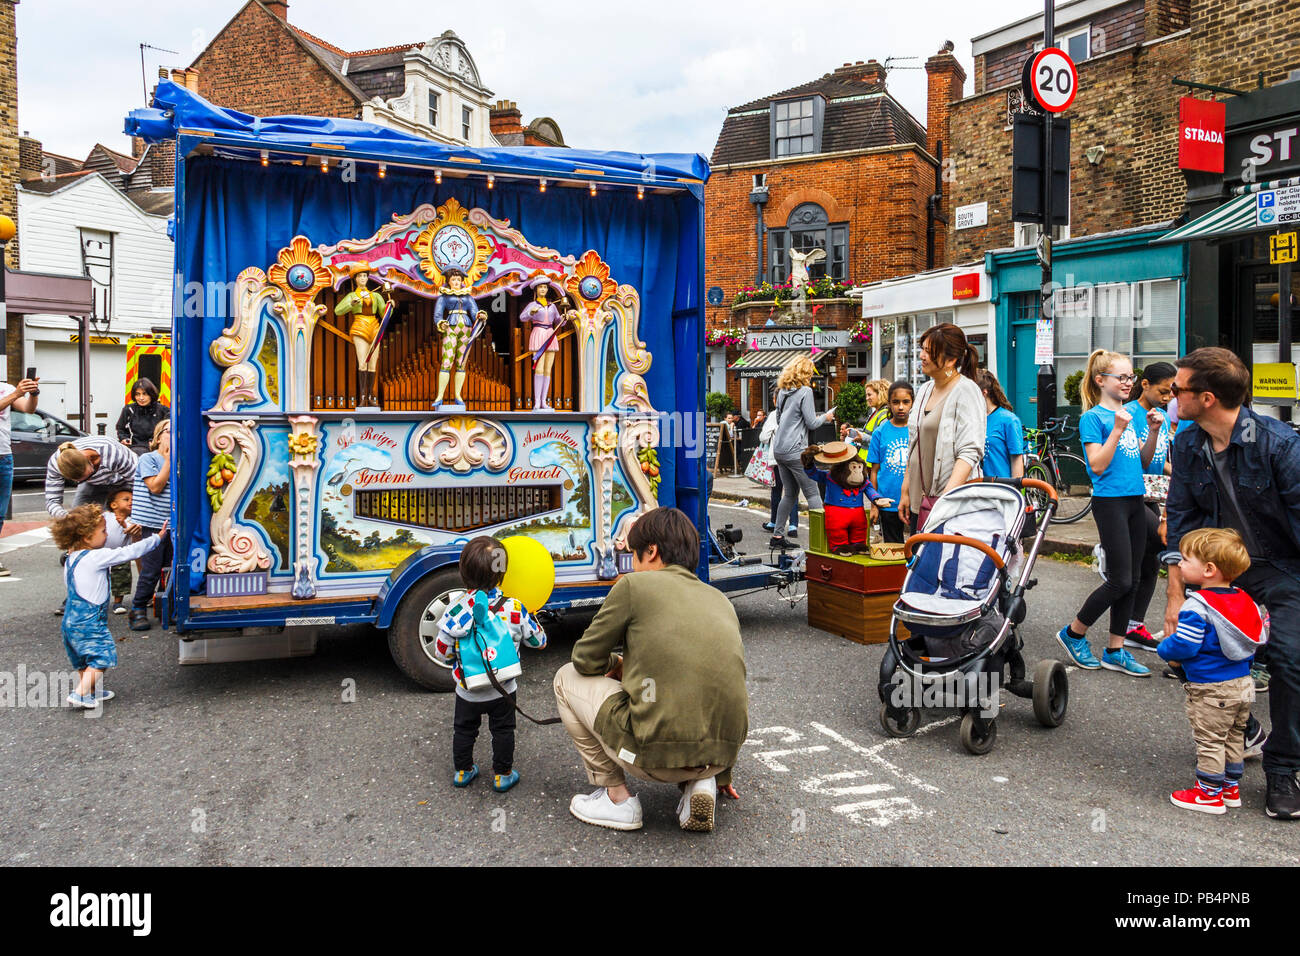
{"points": [[428, 560]]}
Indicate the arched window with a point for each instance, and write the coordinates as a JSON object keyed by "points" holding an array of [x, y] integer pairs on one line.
{"points": [[808, 228]]}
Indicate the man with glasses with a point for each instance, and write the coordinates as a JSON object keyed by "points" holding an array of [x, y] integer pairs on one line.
{"points": [[1233, 468]]}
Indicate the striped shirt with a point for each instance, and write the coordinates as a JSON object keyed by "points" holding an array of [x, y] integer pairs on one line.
{"points": [[116, 467], [147, 509]]}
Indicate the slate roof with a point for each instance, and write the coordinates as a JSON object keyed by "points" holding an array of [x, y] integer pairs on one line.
{"points": [[858, 116]]}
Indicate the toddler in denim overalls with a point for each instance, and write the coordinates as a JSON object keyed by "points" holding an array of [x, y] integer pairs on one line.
{"points": [[90, 646]]}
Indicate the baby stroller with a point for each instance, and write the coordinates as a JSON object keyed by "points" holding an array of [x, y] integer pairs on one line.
{"points": [[961, 603]]}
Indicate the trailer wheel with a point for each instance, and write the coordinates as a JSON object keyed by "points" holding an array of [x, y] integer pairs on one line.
{"points": [[415, 626]]}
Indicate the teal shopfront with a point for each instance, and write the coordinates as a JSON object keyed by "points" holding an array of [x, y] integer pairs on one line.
{"points": [[1114, 291]]}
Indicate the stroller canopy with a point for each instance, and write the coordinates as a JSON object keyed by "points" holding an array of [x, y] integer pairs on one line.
{"points": [[950, 582]]}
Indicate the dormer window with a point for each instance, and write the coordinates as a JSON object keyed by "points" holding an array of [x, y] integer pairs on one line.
{"points": [[797, 126]]}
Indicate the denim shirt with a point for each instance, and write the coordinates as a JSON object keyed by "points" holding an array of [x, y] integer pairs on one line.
{"points": [[1267, 473]]}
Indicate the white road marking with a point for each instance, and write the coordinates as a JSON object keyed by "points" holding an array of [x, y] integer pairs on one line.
{"points": [[886, 811], [819, 784], [24, 540], [873, 753], [788, 735], [769, 756]]}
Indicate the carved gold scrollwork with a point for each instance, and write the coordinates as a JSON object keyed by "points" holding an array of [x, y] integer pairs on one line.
{"points": [[235, 548], [626, 306], [460, 443]]}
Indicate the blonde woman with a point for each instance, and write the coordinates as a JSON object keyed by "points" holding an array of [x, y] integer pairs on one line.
{"points": [[1115, 460], [877, 395], [795, 418], [96, 464]]}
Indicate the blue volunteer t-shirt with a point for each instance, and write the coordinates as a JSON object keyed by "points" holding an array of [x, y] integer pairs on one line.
{"points": [[1004, 438], [1123, 476], [1157, 466], [888, 449]]}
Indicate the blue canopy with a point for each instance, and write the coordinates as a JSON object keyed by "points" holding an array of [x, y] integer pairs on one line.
{"points": [[177, 111], [232, 213]]}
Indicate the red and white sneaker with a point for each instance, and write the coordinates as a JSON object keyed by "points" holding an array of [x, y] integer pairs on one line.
{"points": [[1194, 798], [1141, 637], [1231, 795]]}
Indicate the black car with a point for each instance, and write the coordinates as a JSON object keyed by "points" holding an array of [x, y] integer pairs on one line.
{"points": [[35, 437]]}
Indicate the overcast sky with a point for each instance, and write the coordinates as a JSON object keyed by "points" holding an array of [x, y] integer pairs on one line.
{"points": [[647, 78]]}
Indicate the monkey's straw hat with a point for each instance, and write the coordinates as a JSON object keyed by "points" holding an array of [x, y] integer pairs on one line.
{"points": [[835, 452]]}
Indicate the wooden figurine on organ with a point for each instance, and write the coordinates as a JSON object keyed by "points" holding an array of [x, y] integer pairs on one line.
{"points": [[543, 340], [366, 307], [451, 316]]}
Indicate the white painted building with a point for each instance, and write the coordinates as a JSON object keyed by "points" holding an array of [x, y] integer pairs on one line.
{"points": [[443, 97], [81, 225]]}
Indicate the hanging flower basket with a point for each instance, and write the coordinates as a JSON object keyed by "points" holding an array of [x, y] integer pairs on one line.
{"points": [[861, 332], [724, 338]]}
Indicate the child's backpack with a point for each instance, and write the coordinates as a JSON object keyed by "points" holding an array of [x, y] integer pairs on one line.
{"points": [[487, 645]]}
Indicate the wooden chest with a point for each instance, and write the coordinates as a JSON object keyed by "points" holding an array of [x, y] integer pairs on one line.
{"points": [[856, 573], [862, 618]]}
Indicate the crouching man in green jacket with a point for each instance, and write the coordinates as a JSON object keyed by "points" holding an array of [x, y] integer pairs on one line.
{"points": [[672, 708]]}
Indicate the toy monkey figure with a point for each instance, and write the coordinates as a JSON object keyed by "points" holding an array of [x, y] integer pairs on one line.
{"points": [[365, 306], [456, 316], [847, 494], [546, 320]]}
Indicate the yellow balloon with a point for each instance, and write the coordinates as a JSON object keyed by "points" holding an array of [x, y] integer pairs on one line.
{"points": [[530, 572]]}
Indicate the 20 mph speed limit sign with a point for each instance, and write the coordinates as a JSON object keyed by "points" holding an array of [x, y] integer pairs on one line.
{"points": [[1050, 80]]}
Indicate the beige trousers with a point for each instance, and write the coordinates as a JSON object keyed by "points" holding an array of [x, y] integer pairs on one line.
{"points": [[579, 699], [1218, 713]]}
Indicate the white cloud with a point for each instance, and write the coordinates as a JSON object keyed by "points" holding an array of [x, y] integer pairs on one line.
{"points": [[640, 77]]}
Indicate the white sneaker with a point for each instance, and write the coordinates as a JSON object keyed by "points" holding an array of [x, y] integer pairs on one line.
{"points": [[599, 810], [695, 809]]}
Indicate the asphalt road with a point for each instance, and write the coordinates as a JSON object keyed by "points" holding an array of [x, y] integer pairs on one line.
{"points": [[267, 763]]}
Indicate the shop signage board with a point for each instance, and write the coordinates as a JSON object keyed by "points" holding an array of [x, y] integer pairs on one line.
{"points": [[1201, 125], [799, 339], [1278, 207], [968, 217], [1282, 249], [1273, 382], [966, 286]]}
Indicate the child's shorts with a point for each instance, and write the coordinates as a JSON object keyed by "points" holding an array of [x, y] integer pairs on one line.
{"points": [[92, 646]]}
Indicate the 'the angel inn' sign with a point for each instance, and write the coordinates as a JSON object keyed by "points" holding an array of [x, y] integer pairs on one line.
{"points": [[798, 339]]}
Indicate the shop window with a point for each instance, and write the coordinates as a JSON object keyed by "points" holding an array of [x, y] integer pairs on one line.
{"points": [[1155, 317]]}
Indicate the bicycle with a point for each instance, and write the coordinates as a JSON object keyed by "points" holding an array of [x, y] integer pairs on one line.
{"points": [[1063, 470]]}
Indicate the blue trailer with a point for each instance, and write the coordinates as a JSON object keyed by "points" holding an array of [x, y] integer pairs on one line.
{"points": [[364, 378]]}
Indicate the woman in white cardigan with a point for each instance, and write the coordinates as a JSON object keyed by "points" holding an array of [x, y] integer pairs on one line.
{"points": [[946, 425]]}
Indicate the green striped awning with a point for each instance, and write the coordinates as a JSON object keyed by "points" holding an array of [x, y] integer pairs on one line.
{"points": [[768, 363], [1234, 217]]}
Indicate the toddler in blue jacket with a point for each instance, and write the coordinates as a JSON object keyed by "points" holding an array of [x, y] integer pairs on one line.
{"points": [[1219, 630]]}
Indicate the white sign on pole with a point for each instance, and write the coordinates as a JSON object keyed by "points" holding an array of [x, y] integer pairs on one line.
{"points": [[976, 214], [1044, 345], [1275, 207]]}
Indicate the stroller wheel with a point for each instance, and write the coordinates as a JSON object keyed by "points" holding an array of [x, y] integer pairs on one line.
{"points": [[978, 735], [1051, 693], [900, 723]]}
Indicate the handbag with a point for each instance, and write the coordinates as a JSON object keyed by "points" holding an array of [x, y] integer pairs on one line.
{"points": [[1156, 487], [760, 467]]}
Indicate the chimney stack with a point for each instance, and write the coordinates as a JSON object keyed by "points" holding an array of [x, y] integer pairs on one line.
{"points": [[505, 119], [944, 83], [870, 73], [279, 7], [30, 157]]}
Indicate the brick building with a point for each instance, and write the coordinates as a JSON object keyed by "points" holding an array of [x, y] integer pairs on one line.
{"points": [[261, 63], [835, 164]]}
